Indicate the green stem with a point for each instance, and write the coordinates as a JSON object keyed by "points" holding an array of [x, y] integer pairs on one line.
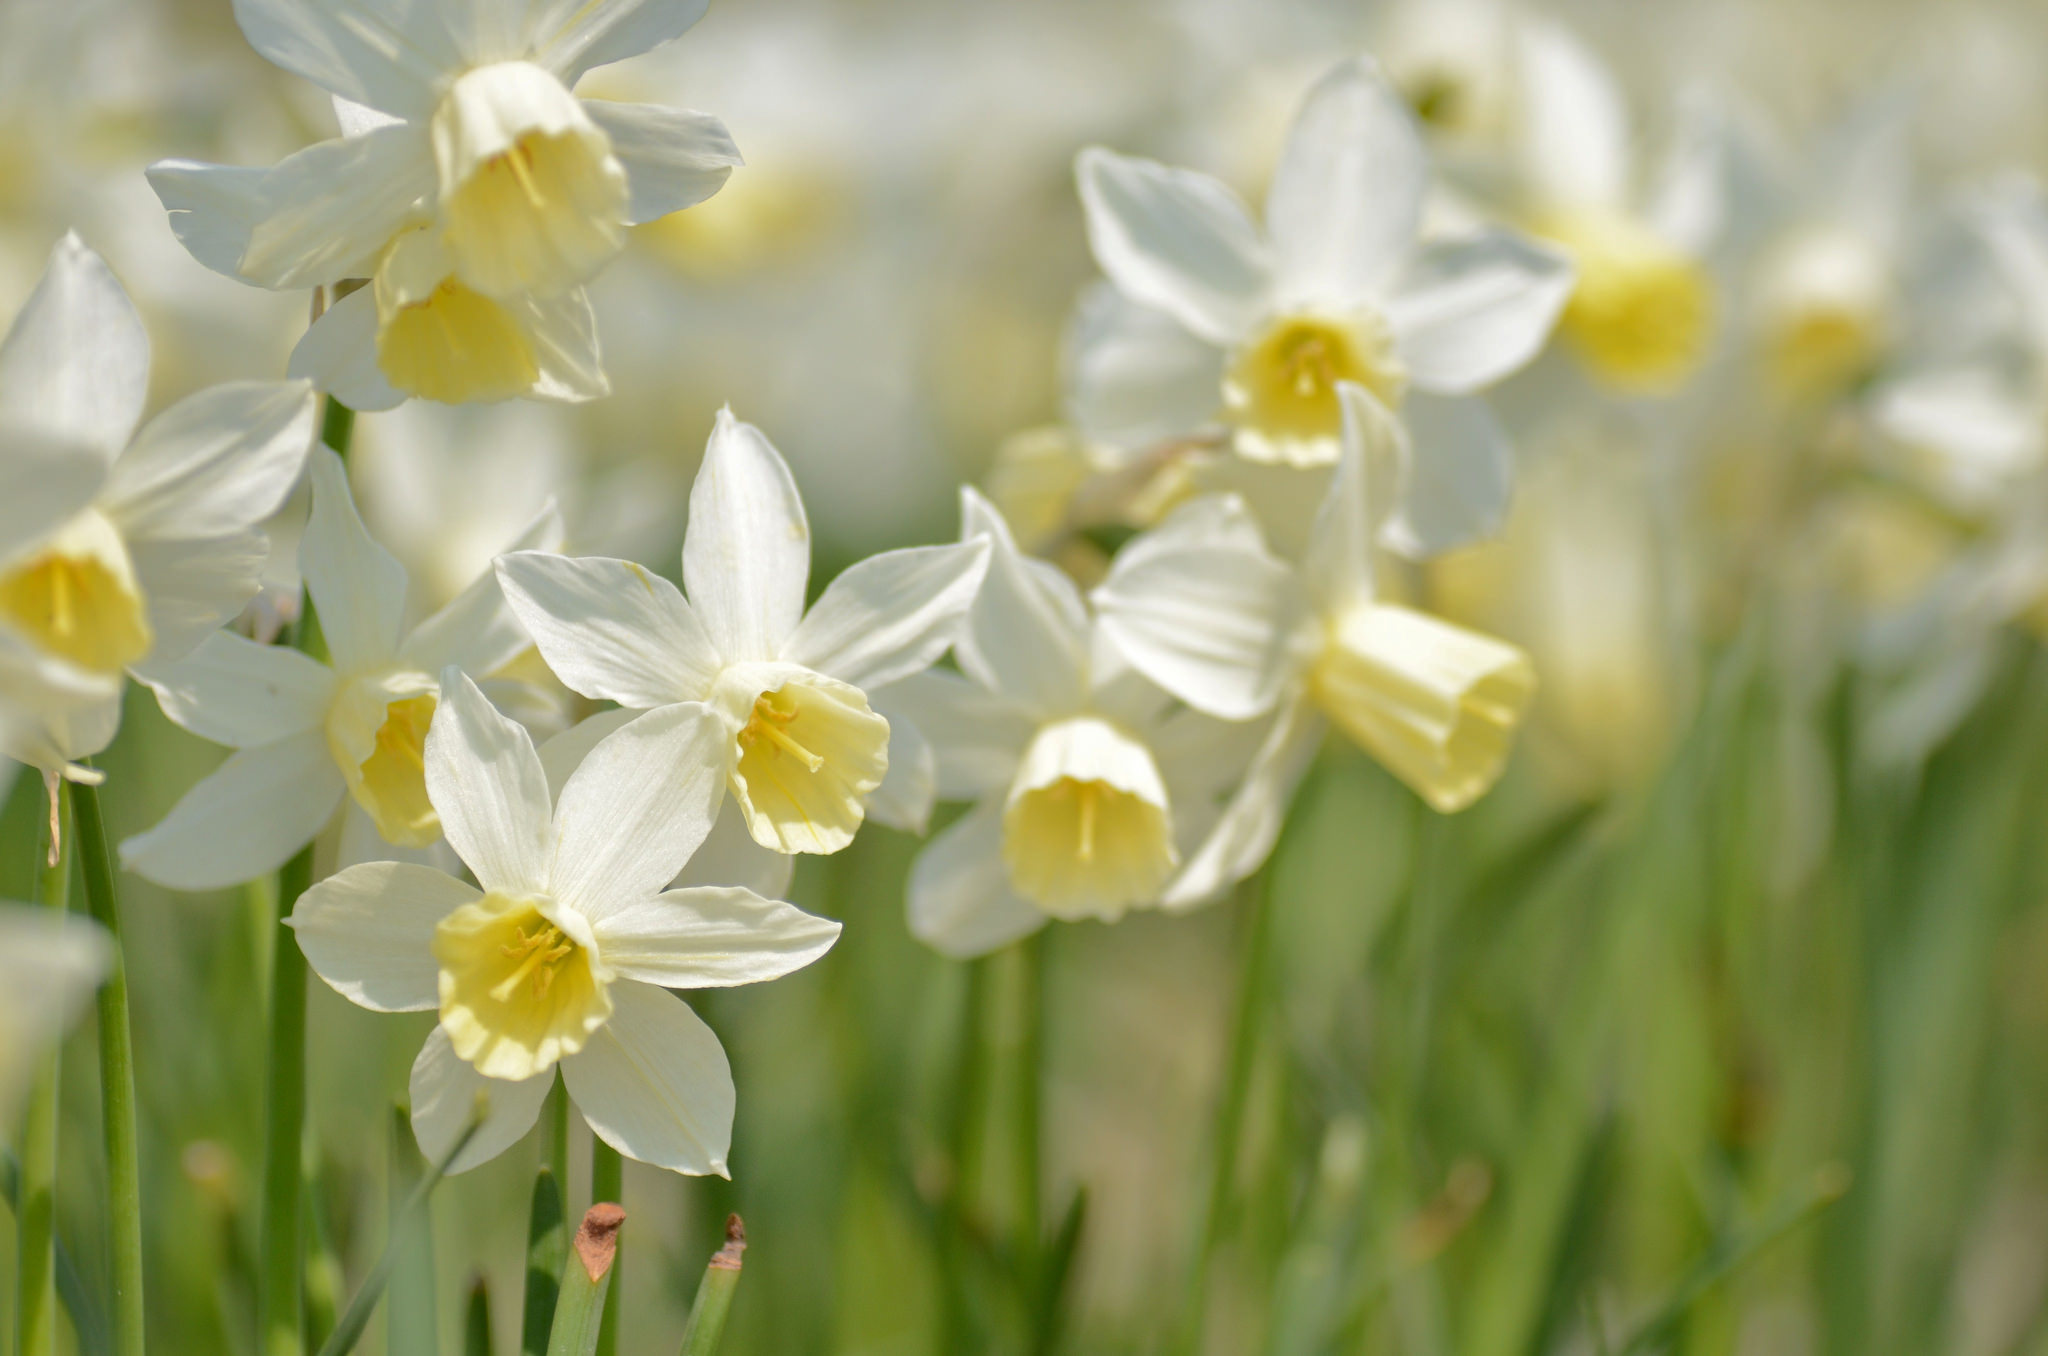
{"points": [[117, 1079], [554, 1119], [356, 1317], [964, 1134], [1229, 1128], [86, 1319], [1030, 1092], [714, 1293], [547, 1242], [607, 1185], [338, 426], [36, 1213], [410, 1315], [278, 1283], [476, 1322], [587, 1282]]}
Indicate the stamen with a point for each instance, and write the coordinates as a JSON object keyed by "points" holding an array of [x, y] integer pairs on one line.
{"points": [[517, 158], [767, 724], [543, 949], [1089, 793]]}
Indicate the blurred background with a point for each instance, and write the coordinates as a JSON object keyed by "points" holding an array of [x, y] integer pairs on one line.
{"points": [[1760, 911]]}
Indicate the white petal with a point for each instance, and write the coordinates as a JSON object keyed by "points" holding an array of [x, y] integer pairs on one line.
{"points": [[1472, 310], [477, 630], [338, 354], [1337, 565], [357, 586], [960, 900], [562, 332], [674, 158], [50, 964], [360, 843], [1026, 636], [603, 31], [730, 856], [75, 364], [215, 463], [1202, 608], [45, 481], [443, 1090], [1576, 131], [1175, 240], [194, 587], [1455, 486], [611, 629], [1135, 376], [242, 820], [1347, 194], [904, 799], [486, 783], [367, 51], [1690, 203], [654, 1083], [1985, 434], [369, 932], [238, 693], [747, 551], [890, 615], [976, 736], [711, 937], [564, 753], [638, 806], [1250, 824]]}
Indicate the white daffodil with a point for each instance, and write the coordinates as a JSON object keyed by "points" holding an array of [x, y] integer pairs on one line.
{"points": [[806, 751], [1257, 329], [1200, 607], [308, 734], [1095, 792], [470, 186], [1643, 313], [50, 963], [562, 956], [121, 547]]}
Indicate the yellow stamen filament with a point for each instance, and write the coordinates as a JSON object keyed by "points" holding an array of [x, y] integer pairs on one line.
{"points": [[1280, 391], [543, 949], [768, 723], [519, 161], [517, 991]]}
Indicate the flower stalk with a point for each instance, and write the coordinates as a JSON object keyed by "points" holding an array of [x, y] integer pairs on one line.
{"points": [[36, 1199]]}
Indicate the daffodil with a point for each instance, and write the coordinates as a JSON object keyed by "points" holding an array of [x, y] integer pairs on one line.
{"points": [[806, 749], [1265, 325], [309, 734], [1201, 607], [1644, 310], [1095, 793], [50, 964], [122, 547], [471, 188], [560, 953]]}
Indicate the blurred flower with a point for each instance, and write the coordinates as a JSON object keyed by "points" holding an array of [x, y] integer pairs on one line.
{"points": [[50, 964], [1643, 312], [470, 186], [1201, 608], [308, 733], [807, 750], [1263, 330], [119, 547], [563, 955], [1095, 794]]}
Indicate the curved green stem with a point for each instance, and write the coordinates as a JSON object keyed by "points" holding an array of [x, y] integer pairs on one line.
{"points": [[117, 1079], [608, 1184], [35, 1326]]}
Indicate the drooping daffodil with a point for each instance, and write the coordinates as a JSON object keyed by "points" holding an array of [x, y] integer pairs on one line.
{"points": [[560, 954], [121, 546], [1255, 329], [470, 187], [1201, 607], [806, 749], [1095, 792], [309, 734]]}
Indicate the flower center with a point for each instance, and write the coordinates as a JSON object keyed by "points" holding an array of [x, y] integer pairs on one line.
{"points": [[1642, 315], [444, 341], [1436, 703], [377, 733], [519, 991], [1280, 391], [1086, 832], [807, 757], [1827, 308], [532, 198], [77, 598]]}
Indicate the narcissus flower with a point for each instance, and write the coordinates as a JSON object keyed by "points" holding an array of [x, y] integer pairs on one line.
{"points": [[1203, 609], [562, 956], [470, 186], [1095, 793], [121, 547], [308, 734], [806, 749], [50, 963], [1335, 289]]}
